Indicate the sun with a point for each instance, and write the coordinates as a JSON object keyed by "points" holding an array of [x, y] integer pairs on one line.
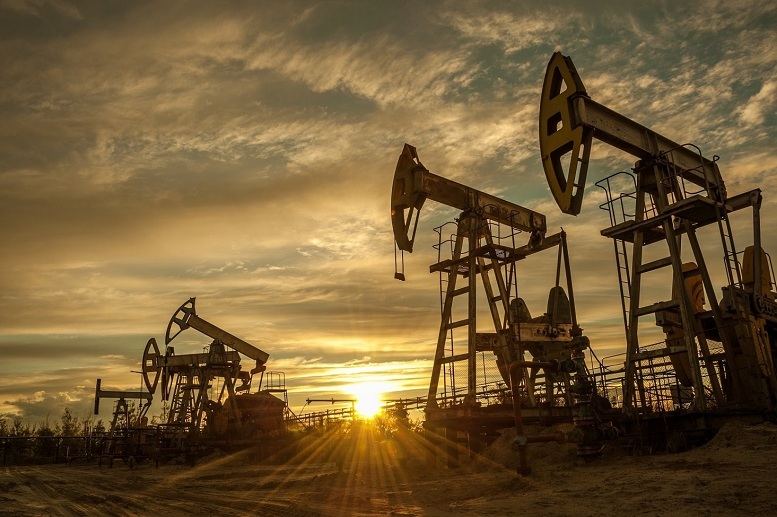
{"points": [[368, 400]]}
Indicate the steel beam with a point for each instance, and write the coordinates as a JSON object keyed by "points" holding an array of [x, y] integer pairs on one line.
{"points": [[414, 184], [623, 133]]}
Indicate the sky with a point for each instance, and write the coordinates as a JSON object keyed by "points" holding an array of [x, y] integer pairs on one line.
{"points": [[242, 153]]}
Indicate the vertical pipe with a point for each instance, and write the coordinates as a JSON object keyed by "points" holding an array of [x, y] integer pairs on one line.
{"points": [[568, 273], [632, 338], [523, 465], [521, 439], [474, 230], [757, 291]]}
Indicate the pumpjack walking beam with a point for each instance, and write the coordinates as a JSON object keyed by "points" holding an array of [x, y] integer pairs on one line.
{"points": [[100, 393], [186, 316], [121, 411], [194, 372], [570, 119], [414, 184]]}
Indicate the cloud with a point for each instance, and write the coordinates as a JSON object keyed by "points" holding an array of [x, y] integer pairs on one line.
{"points": [[42, 394], [535, 25], [153, 153], [353, 362], [40, 8], [755, 110]]}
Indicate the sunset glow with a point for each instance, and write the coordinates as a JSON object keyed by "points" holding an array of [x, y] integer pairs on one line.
{"points": [[369, 400], [249, 163], [457, 258]]}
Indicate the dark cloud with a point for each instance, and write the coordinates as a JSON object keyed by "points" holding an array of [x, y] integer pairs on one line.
{"points": [[61, 346]]}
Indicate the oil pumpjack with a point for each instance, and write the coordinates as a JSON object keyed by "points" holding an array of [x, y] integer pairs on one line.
{"points": [[210, 392], [475, 373], [210, 395], [717, 361]]}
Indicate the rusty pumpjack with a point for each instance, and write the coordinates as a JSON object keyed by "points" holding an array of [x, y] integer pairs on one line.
{"points": [[209, 393], [466, 397], [716, 362], [121, 412]]}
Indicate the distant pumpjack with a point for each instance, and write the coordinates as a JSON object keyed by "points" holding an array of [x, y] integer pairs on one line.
{"points": [[188, 380]]}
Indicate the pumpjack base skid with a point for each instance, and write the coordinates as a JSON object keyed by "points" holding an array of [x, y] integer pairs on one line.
{"points": [[488, 420], [676, 431], [656, 430]]}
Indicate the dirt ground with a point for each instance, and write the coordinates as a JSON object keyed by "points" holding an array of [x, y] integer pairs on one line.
{"points": [[733, 474]]}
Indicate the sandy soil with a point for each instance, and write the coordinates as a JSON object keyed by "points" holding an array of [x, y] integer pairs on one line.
{"points": [[733, 474]]}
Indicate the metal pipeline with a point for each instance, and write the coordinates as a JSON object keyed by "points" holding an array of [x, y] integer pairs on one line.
{"points": [[520, 439]]}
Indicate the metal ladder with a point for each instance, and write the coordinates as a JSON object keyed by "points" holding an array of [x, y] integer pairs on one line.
{"points": [[618, 213], [445, 355], [479, 259], [182, 403]]}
